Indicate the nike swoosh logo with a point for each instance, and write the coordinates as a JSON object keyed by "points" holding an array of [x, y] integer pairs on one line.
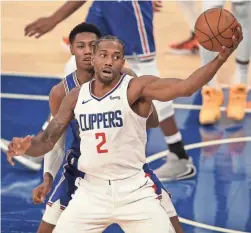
{"points": [[84, 102]]}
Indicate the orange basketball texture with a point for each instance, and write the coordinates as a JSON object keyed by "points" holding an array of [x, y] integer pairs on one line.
{"points": [[214, 28]]}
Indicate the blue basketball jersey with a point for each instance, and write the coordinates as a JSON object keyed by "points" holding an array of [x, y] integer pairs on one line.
{"points": [[73, 153], [130, 21], [71, 82]]}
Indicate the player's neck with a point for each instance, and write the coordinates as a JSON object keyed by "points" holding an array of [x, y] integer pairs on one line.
{"points": [[83, 76], [100, 89]]}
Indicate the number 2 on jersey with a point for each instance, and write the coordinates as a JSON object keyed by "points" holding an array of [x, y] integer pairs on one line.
{"points": [[103, 141]]}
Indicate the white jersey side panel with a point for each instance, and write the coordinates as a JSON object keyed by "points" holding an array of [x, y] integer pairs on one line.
{"points": [[113, 136]]}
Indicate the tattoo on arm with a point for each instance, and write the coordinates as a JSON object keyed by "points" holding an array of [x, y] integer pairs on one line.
{"points": [[45, 141], [54, 131]]}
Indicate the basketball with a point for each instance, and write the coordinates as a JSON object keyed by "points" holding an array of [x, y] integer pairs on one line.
{"points": [[214, 28]]}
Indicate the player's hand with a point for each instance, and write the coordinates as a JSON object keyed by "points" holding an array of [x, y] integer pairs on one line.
{"points": [[40, 27], [237, 38], [157, 5], [40, 192], [18, 146]]}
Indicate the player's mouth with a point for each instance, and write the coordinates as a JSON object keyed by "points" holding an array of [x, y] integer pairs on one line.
{"points": [[107, 72], [87, 59]]}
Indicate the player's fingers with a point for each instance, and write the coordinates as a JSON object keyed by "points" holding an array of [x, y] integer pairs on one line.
{"points": [[159, 3], [10, 146], [157, 7], [42, 199], [43, 195], [31, 33], [235, 42], [20, 143], [11, 150], [223, 49], [38, 35], [34, 29], [37, 199], [27, 32], [157, 10], [238, 33], [10, 158], [239, 27], [36, 195], [225, 52], [16, 143], [27, 139], [29, 27]]}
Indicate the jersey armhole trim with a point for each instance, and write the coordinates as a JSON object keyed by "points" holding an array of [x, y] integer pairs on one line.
{"points": [[129, 107], [66, 88]]}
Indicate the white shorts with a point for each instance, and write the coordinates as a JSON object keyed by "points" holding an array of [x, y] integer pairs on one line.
{"points": [[54, 207], [132, 203], [58, 200], [52, 213]]}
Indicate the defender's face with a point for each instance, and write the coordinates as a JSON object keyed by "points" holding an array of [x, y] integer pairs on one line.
{"points": [[82, 47]]}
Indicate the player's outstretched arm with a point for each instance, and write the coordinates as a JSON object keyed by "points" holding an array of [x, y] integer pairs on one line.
{"points": [[169, 89], [54, 158], [45, 24], [45, 141]]}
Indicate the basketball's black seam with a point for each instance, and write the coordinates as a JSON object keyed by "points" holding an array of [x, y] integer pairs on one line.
{"points": [[207, 36], [220, 33], [211, 30], [219, 23]]}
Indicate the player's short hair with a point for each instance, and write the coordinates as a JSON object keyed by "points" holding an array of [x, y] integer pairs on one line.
{"points": [[109, 38], [84, 27]]}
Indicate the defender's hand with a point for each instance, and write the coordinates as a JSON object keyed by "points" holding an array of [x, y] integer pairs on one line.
{"points": [[40, 192]]}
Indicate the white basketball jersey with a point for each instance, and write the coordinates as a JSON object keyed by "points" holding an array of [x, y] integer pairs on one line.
{"points": [[113, 136]]}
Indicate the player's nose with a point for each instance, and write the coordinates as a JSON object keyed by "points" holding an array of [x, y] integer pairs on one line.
{"points": [[108, 61], [87, 51]]}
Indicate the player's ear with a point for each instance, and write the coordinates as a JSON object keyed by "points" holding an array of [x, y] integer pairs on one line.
{"points": [[71, 49], [92, 60], [123, 62]]}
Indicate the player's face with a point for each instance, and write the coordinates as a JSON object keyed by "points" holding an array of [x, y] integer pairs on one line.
{"points": [[108, 61], [82, 49]]}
